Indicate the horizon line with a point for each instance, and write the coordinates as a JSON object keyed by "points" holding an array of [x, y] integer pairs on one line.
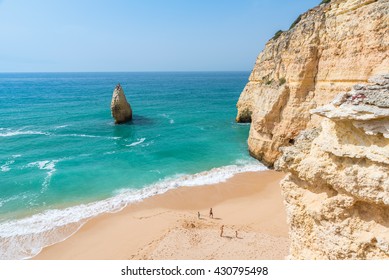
{"points": [[140, 71]]}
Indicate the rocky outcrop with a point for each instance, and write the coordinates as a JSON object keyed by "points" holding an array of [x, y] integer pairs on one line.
{"points": [[337, 187], [331, 48], [333, 147], [120, 108]]}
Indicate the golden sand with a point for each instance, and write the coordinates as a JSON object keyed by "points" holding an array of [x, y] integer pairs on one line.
{"points": [[167, 226]]}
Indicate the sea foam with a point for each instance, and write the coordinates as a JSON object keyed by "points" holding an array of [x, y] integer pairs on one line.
{"points": [[87, 136], [6, 132], [6, 166], [25, 238], [48, 165], [140, 141], [10, 133]]}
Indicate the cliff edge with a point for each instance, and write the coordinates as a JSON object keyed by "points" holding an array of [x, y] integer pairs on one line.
{"points": [[318, 102], [337, 188], [326, 51]]}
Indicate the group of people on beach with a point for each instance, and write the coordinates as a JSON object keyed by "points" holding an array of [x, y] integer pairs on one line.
{"points": [[221, 228], [210, 214]]}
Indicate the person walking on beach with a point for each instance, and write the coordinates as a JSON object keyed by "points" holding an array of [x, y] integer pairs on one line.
{"points": [[221, 230], [236, 233], [211, 213], [198, 215]]}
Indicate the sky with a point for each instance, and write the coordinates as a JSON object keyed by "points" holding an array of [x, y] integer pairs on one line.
{"points": [[139, 35]]}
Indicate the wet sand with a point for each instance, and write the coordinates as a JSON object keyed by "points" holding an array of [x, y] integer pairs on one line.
{"points": [[167, 226]]}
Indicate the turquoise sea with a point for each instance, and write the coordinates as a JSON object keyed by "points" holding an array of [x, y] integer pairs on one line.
{"points": [[63, 161]]}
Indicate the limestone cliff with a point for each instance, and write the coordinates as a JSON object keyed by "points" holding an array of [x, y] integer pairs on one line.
{"points": [[337, 188], [120, 108], [331, 48]]}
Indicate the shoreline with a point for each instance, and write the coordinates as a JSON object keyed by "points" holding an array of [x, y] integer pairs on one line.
{"points": [[24, 238], [166, 226]]}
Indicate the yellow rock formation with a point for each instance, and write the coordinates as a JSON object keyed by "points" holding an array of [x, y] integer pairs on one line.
{"points": [[331, 48], [120, 108], [315, 116], [337, 188]]}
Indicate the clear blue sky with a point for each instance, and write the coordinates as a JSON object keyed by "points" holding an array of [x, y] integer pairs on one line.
{"points": [[139, 35]]}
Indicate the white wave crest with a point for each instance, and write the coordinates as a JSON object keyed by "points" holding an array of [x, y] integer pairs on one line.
{"points": [[24, 238], [48, 165], [6, 166], [217, 175], [10, 133], [87, 136], [61, 126], [140, 141]]}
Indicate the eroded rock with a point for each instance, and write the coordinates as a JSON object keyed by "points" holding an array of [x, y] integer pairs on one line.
{"points": [[337, 188], [120, 108], [331, 49]]}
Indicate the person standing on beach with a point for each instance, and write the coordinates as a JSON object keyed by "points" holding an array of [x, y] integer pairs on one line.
{"points": [[198, 215], [221, 230], [211, 213]]}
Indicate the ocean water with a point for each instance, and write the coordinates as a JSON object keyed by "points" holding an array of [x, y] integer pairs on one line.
{"points": [[63, 161]]}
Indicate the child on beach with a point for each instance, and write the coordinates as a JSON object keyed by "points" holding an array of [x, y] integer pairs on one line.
{"points": [[211, 213]]}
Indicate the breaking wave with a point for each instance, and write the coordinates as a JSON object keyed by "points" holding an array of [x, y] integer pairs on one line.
{"points": [[6, 166], [86, 136], [10, 133], [25, 238], [5, 132], [140, 141], [48, 165]]}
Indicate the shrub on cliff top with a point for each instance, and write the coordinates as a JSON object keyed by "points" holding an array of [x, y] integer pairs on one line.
{"points": [[325, 2], [295, 22], [278, 34]]}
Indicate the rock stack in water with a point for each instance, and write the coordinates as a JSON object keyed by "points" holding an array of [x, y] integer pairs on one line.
{"points": [[120, 108]]}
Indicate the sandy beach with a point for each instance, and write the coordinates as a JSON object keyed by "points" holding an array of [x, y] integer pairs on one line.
{"points": [[167, 226]]}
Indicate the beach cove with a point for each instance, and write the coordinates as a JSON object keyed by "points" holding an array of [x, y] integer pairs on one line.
{"points": [[295, 167], [166, 226], [64, 162]]}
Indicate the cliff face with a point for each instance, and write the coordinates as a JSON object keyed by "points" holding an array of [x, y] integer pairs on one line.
{"points": [[331, 48], [315, 115], [337, 188]]}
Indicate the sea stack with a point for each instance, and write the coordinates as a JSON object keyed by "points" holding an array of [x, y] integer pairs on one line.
{"points": [[120, 108]]}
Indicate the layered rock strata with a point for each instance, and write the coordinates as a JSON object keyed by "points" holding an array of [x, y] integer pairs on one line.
{"points": [[120, 108], [337, 188], [331, 48]]}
